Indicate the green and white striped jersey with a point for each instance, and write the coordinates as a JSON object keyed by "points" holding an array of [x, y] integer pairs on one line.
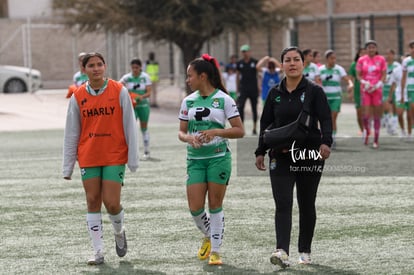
{"points": [[408, 66], [388, 80], [204, 113], [79, 78], [331, 80], [137, 84], [396, 77], [311, 71]]}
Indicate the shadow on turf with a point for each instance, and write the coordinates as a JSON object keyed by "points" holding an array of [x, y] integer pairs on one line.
{"points": [[151, 159], [296, 269], [125, 267]]}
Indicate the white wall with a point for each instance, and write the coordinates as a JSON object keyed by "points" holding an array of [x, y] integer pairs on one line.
{"points": [[29, 8]]}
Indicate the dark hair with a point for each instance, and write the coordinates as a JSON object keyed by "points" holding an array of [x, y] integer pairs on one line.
{"points": [[328, 53], [81, 56], [391, 51], [209, 67], [136, 61], [307, 51], [88, 56], [411, 43], [229, 67], [289, 49], [370, 42], [315, 53], [357, 55]]}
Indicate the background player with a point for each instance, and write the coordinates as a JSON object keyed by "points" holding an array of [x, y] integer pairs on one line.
{"points": [[139, 86], [371, 72]]}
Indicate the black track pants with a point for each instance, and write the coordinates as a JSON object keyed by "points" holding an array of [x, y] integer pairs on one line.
{"points": [[283, 176]]}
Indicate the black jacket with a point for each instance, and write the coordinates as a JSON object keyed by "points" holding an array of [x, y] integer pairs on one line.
{"points": [[282, 108]]}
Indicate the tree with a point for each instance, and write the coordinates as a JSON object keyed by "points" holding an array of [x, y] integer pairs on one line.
{"points": [[187, 23]]}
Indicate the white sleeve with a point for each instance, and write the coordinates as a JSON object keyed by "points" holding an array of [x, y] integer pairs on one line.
{"points": [[317, 71], [71, 137], [397, 75], [147, 79], [183, 115], [404, 64], [122, 80], [75, 75], [130, 129], [230, 108], [342, 71]]}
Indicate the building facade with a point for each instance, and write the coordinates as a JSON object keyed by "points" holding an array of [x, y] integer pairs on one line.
{"points": [[29, 36]]}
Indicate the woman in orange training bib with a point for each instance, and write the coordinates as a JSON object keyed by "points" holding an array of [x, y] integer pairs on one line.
{"points": [[101, 134]]}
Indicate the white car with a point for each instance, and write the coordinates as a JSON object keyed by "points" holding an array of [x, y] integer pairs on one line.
{"points": [[14, 79]]}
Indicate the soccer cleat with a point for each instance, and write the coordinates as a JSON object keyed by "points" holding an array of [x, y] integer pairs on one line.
{"points": [[392, 131], [121, 244], [146, 155], [204, 250], [375, 145], [97, 259], [215, 259], [280, 258], [305, 258]]}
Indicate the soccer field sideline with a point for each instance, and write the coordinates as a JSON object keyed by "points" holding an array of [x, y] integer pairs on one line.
{"points": [[46, 109]]}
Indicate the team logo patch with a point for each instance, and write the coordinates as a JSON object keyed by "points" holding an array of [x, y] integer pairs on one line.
{"points": [[215, 103], [302, 97], [273, 164], [83, 171], [277, 99], [222, 175]]}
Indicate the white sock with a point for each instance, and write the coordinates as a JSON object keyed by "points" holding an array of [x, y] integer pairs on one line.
{"points": [[395, 122], [202, 222], [384, 120], [217, 230], [95, 229], [117, 221], [146, 138]]}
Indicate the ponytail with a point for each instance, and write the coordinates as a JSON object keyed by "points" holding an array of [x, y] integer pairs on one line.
{"points": [[209, 65]]}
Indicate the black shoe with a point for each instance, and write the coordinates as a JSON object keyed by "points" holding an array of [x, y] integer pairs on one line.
{"points": [[254, 132]]}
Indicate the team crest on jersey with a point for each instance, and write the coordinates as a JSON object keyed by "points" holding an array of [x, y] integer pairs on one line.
{"points": [[215, 103], [302, 97], [273, 164]]}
